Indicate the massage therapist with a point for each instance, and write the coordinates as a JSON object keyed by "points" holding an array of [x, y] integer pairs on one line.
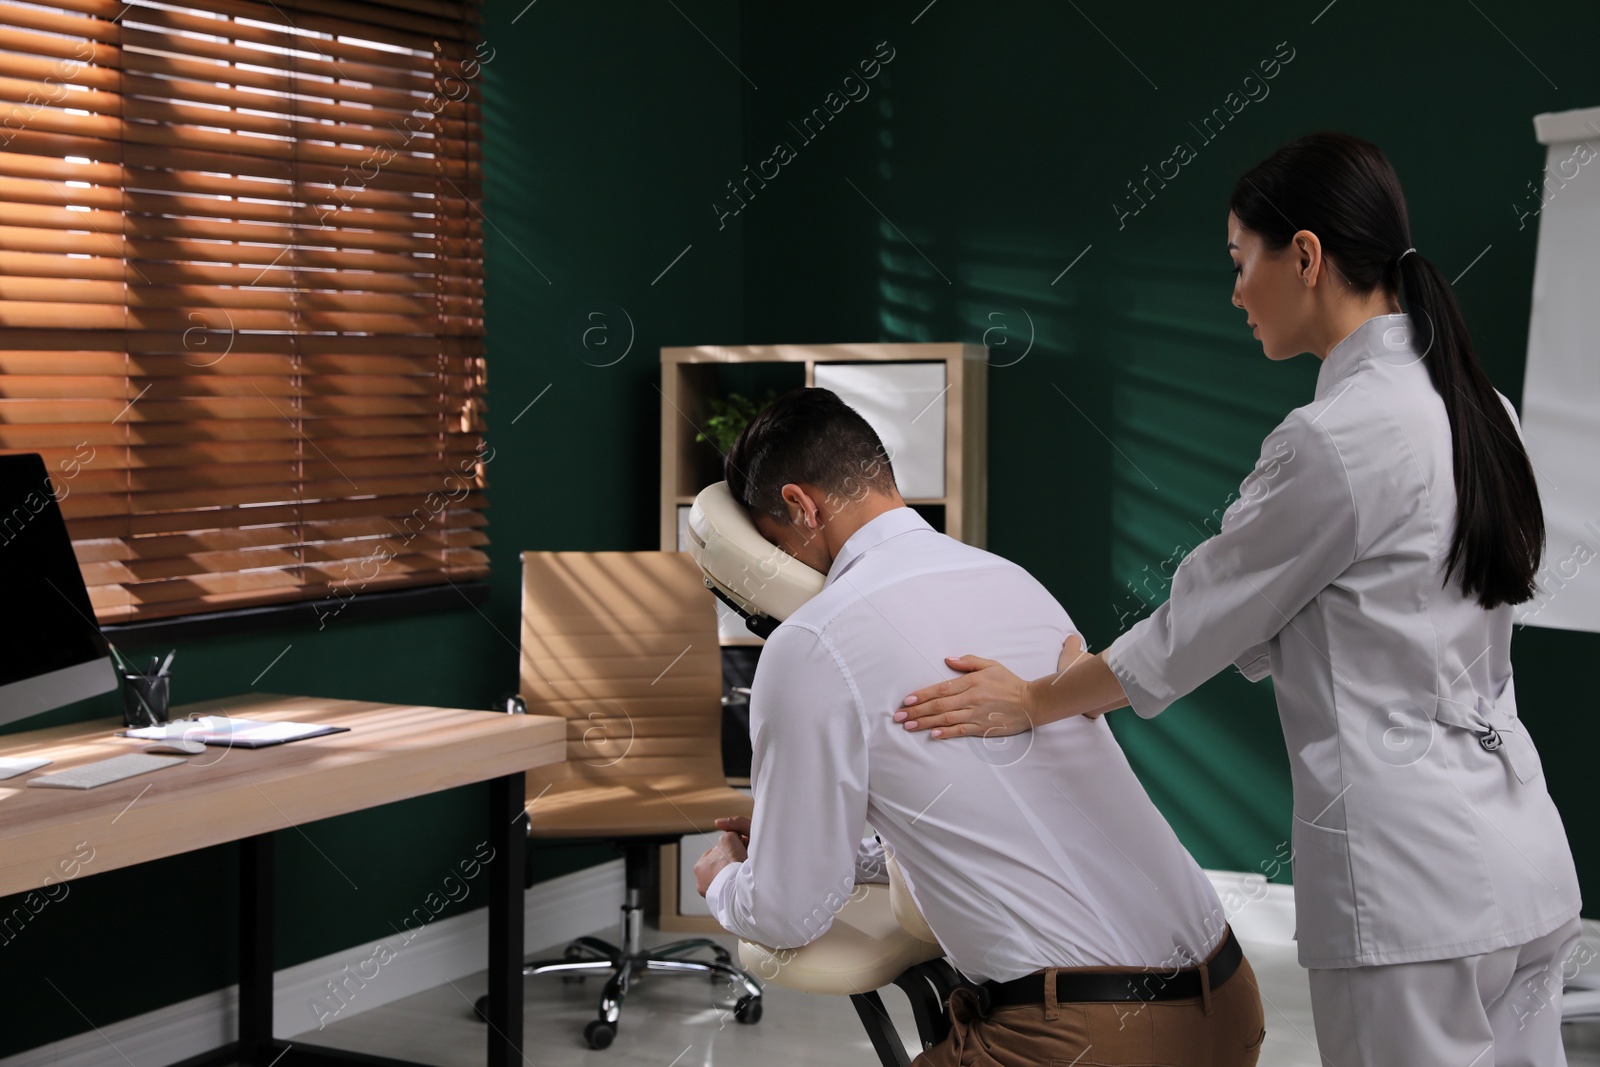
{"points": [[1370, 566]]}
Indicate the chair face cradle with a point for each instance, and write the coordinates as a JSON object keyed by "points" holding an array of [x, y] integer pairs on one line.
{"points": [[624, 646], [751, 575]]}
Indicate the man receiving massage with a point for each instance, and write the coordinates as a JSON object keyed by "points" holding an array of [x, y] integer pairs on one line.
{"points": [[1082, 917]]}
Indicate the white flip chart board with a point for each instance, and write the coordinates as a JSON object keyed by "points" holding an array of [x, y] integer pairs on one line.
{"points": [[1561, 392]]}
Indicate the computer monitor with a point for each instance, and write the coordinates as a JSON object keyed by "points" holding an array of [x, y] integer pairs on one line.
{"points": [[54, 653]]}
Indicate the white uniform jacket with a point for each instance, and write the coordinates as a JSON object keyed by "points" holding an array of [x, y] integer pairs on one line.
{"points": [[1422, 826]]}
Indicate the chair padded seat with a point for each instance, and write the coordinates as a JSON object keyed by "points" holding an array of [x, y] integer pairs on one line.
{"points": [[866, 948], [632, 807]]}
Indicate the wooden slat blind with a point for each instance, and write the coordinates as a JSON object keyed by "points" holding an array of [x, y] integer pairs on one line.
{"points": [[241, 293]]}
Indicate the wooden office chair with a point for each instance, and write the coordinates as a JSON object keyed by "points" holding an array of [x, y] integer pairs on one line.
{"points": [[624, 646]]}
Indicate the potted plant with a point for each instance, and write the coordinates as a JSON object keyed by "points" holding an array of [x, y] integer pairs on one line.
{"points": [[729, 416]]}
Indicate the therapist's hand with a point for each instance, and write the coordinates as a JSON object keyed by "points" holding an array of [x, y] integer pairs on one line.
{"points": [[990, 701], [1071, 652], [987, 701], [728, 849]]}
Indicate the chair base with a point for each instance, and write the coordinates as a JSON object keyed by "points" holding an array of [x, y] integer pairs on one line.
{"points": [[928, 987], [591, 956], [630, 961]]}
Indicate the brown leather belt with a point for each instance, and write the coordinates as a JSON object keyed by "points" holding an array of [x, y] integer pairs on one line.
{"points": [[1073, 986]]}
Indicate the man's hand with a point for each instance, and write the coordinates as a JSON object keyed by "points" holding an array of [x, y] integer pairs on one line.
{"points": [[728, 849], [737, 824]]}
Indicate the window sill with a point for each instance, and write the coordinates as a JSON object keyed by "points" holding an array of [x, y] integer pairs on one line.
{"points": [[367, 606]]}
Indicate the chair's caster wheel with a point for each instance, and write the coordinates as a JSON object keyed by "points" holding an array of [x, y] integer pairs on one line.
{"points": [[599, 1033], [748, 1010], [480, 1008]]}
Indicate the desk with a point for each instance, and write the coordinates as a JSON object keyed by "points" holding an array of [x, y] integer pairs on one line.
{"points": [[392, 752]]}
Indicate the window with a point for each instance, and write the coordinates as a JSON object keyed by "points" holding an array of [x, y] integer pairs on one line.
{"points": [[241, 293]]}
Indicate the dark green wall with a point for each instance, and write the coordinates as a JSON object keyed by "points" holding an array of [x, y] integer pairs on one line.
{"points": [[946, 205], [600, 133], [993, 144]]}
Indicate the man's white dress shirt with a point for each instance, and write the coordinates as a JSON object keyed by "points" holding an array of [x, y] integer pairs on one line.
{"points": [[1422, 827], [1025, 852]]}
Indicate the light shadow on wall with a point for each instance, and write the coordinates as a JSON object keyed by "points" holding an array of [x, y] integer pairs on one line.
{"points": [[1192, 399]]}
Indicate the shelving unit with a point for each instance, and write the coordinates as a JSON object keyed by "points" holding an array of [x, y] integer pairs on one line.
{"points": [[690, 375]]}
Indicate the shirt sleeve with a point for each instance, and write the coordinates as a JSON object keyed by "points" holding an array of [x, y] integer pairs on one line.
{"points": [[809, 772], [1291, 532]]}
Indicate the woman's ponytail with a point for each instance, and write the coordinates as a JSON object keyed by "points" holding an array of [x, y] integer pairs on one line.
{"points": [[1342, 189], [1499, 532]]}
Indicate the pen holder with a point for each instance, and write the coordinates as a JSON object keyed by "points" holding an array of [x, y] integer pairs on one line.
{"points": [[144, 699]]}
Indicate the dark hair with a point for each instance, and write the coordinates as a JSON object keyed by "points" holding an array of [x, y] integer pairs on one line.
{"points": [[807, 437], [1342, 189]]}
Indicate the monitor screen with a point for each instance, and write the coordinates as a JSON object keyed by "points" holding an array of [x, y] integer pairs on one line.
{"points": [[56, 654]]}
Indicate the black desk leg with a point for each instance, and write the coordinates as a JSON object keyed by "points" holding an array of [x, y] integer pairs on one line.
{"points": [[508, 836], [255, 949]]}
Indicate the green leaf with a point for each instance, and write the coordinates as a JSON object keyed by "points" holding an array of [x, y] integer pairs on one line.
{"points": [[729, 416]]}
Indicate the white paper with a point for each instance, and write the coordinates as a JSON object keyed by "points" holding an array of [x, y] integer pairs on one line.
{"points": [[224, 730], [11, 766]]}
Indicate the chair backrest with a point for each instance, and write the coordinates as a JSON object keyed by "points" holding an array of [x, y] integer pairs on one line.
{"points": [[624, 646]]}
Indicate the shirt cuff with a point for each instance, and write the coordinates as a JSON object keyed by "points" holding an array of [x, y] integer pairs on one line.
{"points": [[1129, 662], [1256, 662], [715, 890], [871, 862]]}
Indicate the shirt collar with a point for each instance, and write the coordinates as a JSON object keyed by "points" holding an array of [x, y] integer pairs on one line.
{"points": [[890, 524], [1387, 336]]}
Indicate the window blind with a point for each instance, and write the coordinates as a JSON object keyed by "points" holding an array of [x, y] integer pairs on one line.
{"points": [[241, 293]]}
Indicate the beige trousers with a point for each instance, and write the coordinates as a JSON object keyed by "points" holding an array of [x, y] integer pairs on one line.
{"points": [[1227, 1032]]}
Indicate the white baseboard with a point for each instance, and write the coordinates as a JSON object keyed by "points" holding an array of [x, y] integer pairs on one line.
{"points": [[346, 983]]}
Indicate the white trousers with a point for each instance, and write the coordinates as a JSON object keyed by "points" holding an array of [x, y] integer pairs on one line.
{"points": [[1499, 1009]]}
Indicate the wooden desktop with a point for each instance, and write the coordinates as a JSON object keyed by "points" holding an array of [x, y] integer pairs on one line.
{"points": [[391, 752]]}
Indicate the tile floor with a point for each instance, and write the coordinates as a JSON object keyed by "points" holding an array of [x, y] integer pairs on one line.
{"points": [[674, 1022]]}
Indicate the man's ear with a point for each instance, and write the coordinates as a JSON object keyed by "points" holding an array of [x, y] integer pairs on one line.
{"points": [[809, 514]]}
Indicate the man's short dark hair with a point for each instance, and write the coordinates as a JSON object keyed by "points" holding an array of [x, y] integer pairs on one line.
{"points": [[806, 437]]}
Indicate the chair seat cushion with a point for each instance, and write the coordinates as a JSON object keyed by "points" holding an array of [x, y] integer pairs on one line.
{"points": [[865, 948], [632, 807]]}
